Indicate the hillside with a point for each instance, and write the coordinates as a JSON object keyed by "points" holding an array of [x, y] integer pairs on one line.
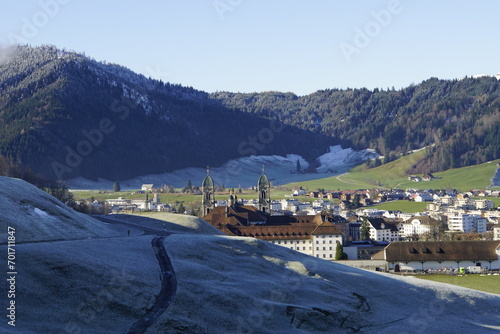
{"points": [[394, 175], [66, 115], [461, 118], [107, 284]]}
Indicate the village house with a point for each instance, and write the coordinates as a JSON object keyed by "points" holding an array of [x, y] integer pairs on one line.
{"points": [[423, 197], [466, 223], [496, 232], [414, 178], [428, 177], [484, 204], [147, 187], [464, 203], [441, 255], [418, 226], [383, 230]]}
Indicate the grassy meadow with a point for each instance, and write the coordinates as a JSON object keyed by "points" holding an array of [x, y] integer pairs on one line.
{"points": [[393, 175], [488, 283]]}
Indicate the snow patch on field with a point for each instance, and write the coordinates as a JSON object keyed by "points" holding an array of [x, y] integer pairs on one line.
{"points": [[245, 171]]}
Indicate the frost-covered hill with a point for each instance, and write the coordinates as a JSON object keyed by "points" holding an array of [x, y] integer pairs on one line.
{"points": [[224, 284], [37, 216], [66, 115]]}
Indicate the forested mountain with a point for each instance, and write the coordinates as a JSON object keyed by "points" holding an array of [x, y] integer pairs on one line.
{"points": [[459, 119], [65, 115]]}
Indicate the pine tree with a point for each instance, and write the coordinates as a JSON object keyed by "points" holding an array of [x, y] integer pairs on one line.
{"points": [[299, 169], [340, 255], [116, 187], [365, 230]]}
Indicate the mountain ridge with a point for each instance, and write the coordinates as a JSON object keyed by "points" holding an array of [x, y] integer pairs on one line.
{"points": [[66, 115]]}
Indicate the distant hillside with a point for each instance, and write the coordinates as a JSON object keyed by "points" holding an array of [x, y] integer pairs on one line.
{"points": [[66, 115], [461, 117], [393, 175]]}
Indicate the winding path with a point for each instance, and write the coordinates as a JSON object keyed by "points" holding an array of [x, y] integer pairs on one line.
{"points": [[167, 292], [167, 275]]}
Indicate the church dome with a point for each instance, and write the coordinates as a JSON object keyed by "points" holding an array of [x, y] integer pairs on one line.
{"points": [[208, 182], [263, 182]]}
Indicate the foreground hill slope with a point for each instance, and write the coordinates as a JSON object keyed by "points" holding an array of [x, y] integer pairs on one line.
{"points": [[37, 216], [224, 285]]}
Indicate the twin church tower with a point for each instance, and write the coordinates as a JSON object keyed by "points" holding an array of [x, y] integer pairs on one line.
{"points": [[208, 191]]}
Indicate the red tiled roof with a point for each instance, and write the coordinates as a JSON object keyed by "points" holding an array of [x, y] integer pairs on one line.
{"points": [[237, 221], [442, 251], [236, 215]]}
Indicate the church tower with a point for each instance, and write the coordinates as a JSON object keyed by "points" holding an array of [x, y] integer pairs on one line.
{"points": [[264, 190], [208, 190]]}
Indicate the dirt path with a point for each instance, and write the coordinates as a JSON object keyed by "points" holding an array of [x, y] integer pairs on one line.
{"points": [[167, 276], [348, 182], [167, 292]]}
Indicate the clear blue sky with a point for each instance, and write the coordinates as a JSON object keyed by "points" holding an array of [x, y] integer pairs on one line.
{"points": [[260, 45]]}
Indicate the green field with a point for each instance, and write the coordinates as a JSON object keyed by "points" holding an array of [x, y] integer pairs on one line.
{"points": [[178, 197], [488, 283], [405, 206], [393, 175]]}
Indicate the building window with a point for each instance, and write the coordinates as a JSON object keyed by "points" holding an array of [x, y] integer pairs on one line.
{"points": [[324, 241], [330, 241], [317, 248], [331, 255], [279, 242], [324, 256], [330, 248], [284, 242], [304, 248], [324, 248]]}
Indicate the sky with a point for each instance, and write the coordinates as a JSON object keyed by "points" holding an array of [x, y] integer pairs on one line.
{"points": [[249, 46]]}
